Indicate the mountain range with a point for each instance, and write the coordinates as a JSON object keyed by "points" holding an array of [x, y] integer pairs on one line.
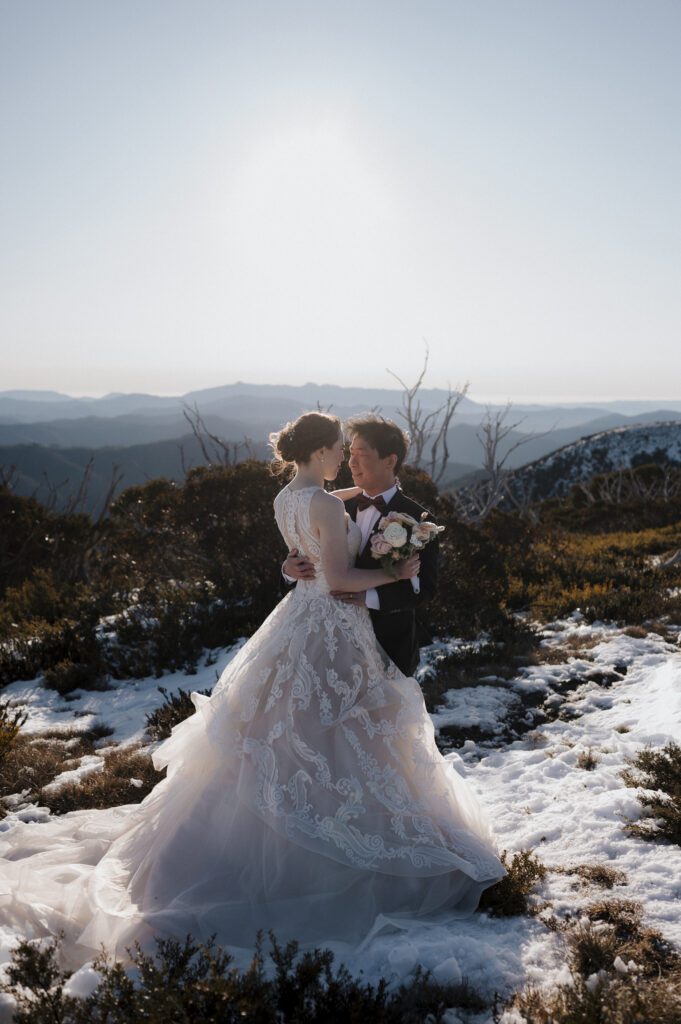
{"points": [[50, 437]]}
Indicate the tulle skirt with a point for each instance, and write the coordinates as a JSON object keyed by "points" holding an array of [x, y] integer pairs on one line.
{"points": [[305, 796]]}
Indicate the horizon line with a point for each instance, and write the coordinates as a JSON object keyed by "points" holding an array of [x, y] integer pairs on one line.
{"points": [[493, 399]]}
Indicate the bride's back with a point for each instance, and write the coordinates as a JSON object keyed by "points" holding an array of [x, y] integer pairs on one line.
{"points": [[292, 513]]}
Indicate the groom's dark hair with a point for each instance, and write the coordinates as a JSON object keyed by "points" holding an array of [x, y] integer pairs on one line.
{"points": [[381, 434]]}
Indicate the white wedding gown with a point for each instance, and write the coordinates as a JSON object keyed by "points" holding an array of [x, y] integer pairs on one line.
{"points": [[306, 795]]}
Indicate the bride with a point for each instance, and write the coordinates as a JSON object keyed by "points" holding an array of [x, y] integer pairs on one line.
{"points": [[306, 795]]}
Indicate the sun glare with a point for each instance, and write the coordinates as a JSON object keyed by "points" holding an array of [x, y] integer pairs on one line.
{"points": [[308, 195]]}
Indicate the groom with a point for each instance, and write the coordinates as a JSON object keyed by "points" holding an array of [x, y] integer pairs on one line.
{"points": [[377, 450]]}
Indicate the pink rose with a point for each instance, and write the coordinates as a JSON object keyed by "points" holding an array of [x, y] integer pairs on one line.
{"points": [[379, 545], [425, 532]]}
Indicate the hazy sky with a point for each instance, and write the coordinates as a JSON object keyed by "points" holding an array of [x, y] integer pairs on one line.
{"points": [[193, 193]]}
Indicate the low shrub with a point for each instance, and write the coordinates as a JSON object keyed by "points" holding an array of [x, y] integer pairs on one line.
{"points": [[510, 896], [11, 721], [608, 999], [613, 928], [34, 759], [621, 972], [602, 875], [510, 644], [174, 709], [657, 774], [67, 676], [473, 582], [36, 645], [189, 981]]}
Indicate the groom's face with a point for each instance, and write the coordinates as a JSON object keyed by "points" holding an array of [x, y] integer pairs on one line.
{"points": [[369, 471]]}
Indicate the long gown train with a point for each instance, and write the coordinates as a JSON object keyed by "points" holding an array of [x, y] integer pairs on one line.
{"points": [[306, 795]]}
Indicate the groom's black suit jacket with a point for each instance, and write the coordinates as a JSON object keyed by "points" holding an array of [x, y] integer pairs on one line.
{"points": [[395, 625]]}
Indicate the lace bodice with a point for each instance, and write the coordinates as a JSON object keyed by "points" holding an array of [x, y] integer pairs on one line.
{"points": [[292, 512]]}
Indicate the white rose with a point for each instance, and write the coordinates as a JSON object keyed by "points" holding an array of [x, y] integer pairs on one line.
{"points": [[395, 534]]}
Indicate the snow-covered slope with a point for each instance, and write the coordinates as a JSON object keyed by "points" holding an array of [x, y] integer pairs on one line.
{"points": [[620, 448]]}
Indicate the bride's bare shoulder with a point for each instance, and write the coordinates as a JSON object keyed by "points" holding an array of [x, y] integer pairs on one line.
{"points": [[325, 505]]}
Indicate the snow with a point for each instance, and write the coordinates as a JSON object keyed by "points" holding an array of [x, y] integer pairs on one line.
{"points": [[536, 795], [122, 708], [605, 452]]}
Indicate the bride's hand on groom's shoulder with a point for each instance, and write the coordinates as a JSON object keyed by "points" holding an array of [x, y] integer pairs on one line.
{"points": [[297, 567]]}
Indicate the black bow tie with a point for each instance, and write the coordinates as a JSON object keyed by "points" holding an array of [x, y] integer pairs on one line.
{"points": [[379, 502]]}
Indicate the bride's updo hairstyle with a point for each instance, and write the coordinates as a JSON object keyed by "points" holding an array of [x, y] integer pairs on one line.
{"points": [[298, 440]]}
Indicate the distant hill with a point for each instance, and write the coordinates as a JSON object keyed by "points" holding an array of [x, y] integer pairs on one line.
{"points": [[42, 469], [605, 452]]}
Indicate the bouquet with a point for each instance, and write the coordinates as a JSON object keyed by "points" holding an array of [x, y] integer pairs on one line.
{"points": [[399, 535]]}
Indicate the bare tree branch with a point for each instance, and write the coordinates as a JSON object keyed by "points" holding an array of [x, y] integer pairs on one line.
{"points": [[225, 453], [476, 502], [428, 428], [9, 476]]}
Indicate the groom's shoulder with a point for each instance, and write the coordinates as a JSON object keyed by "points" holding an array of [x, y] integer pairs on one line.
{"points": [[413, 507]]}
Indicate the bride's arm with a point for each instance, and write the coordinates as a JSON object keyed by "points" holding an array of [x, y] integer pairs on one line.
{"points": [[327, 515], [346, 492]]}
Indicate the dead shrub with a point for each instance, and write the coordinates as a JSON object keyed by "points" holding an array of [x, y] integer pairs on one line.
{"points": [[35, 759], [602, 1000], [586, 760], [643, 987], [11, 721], [598, 874], [510, 896], [615, 929]]}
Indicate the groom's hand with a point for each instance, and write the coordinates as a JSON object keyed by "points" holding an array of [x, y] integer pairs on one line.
{"points": [[357, 597], [297, 567]]}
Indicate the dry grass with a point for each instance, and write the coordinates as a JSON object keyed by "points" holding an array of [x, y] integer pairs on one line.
{"points": [[586, 760], [109, 787], [569, 647], [614, 929], [607, 1000], [644, 988], [598, 874], [34, 760]]}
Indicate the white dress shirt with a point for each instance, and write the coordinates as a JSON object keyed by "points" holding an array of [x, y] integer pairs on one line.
{"points": [[366, 520]]}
